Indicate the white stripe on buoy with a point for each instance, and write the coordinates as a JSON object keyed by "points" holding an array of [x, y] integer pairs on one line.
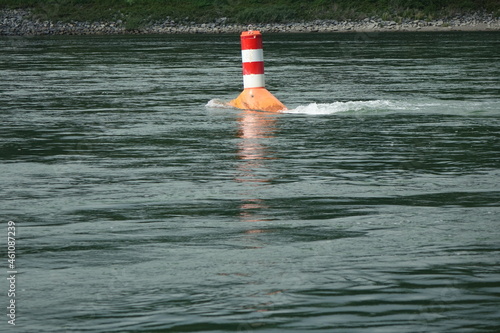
{"points": [[254, 81], [252, 55]]}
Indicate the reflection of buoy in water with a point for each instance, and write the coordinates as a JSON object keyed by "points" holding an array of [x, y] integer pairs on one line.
{"points": [[254, 96]]}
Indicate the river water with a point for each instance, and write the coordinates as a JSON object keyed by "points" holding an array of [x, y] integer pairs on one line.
{"points": [[143, 205]]}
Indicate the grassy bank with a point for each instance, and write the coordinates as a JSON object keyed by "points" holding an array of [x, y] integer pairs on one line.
{"points": [[136, 12]]}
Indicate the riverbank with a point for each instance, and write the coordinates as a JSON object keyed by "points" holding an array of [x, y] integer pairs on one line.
{"points": [[20, 22]]}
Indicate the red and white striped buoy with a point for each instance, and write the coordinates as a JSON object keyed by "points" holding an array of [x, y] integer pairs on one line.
{"points": [[252, 57], [254, 96]]}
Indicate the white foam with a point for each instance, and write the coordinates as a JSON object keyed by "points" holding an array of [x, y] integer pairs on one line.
{"points": [[330, 108], [427, 105], [218, 104]]}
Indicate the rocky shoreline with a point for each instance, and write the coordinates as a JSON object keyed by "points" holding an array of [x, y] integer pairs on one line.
{"points": [[22, 23]]}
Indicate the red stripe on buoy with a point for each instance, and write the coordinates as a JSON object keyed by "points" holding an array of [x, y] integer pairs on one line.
{"points": [[253, 68], [251, 40]]}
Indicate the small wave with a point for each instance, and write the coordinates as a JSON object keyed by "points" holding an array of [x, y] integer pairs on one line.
{"points": [[218, 104], [329, 108]]}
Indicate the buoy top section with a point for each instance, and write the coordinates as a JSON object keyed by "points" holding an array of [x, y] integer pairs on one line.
{"points": [[251, 40]]}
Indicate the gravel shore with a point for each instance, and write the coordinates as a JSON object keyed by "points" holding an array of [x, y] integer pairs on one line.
{"points": [[22, 23]]}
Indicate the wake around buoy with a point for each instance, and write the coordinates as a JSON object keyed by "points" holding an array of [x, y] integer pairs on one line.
{"points": [[336, 107], [326, 108]]}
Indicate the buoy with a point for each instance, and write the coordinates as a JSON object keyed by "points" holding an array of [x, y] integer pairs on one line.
{"points": [[254, 96]]}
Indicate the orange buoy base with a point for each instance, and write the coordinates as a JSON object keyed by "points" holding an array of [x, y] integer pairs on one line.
{"points": [[257, 99]]}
